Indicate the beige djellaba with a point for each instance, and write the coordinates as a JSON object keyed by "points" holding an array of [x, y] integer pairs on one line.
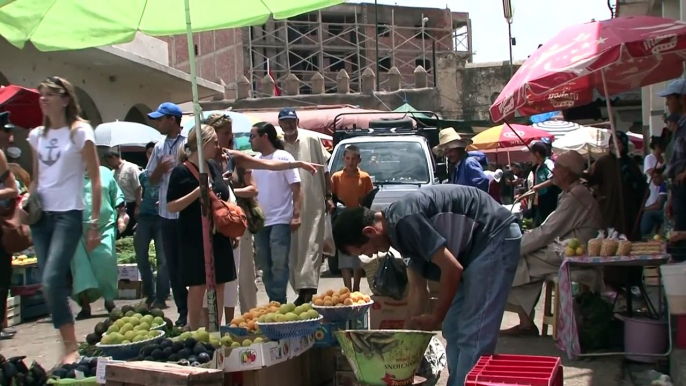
{"points": [[577, 216], [307, 243]]}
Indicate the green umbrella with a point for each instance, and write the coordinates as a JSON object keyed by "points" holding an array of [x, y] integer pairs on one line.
{"points": [[61, 25], [57, 25]]}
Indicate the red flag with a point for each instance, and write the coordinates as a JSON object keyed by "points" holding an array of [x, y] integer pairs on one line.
{"points": [[277, 92]]}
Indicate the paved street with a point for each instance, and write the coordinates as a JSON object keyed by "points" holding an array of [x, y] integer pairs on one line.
{"points": [[39, 341]]}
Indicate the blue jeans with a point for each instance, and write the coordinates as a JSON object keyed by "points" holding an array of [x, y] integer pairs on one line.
{"points": [[55, 239], [149, 228], [272, 247], [472, 324], [650, 220], [172, 255]]}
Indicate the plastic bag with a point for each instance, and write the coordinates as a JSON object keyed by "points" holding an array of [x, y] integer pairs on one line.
{"points": [[391, 279], [329, 246]]}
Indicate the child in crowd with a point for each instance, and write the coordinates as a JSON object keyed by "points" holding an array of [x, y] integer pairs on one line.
{"points": [[350, 186]]}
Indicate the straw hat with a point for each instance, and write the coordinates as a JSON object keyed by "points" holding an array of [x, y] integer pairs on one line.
{"points": [[449, 139]]}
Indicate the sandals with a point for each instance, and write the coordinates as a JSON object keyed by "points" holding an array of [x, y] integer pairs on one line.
{"points": [[84, 314], [7, 334], [520, 331]]}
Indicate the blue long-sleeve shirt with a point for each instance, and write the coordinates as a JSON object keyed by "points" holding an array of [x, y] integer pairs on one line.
{"points": [[470, 173]]}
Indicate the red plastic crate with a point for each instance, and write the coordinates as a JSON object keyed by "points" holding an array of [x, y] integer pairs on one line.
{"points": [[519, 370]]}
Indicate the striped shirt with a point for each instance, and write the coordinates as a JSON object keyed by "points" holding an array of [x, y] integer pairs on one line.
{"points": [[167, 148]]}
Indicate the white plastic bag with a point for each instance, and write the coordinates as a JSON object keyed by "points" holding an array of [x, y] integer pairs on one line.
{"points": [[329, 246]]}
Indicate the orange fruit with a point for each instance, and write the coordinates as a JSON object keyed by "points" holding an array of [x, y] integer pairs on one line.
{"points": [[318, 302], [243, 325], [247, 316], [316, 297], [233, 325], [344, 296], [250, 325], [329, 292], [361, 302], [328, 303], [328, 299], [335, 299], [344, 290], [366, 299], [348, 302]]}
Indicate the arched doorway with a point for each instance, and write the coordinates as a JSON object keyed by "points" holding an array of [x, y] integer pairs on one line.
{"points": [[139, 114], [89, 110]]}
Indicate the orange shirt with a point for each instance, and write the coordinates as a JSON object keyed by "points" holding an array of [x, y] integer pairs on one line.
{"points": [[350, 189]]}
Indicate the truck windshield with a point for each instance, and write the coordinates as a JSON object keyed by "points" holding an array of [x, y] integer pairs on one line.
{"points": [[389, 162]]}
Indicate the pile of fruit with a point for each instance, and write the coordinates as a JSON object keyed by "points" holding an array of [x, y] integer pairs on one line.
{"points": [[574, 248], [274, 312], [13, 371], [22, 260], [186, 352], [130, 324], [342, 297], [227, 341], [289, 313], [86, 366]]}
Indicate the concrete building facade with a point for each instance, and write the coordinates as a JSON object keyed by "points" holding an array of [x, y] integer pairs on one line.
{"points": [[123, 82], [326, 41], [653, 107]]}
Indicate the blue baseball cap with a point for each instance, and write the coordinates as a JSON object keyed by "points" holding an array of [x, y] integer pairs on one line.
{"points": [[287, 113], [678, 87], [166, 108]]}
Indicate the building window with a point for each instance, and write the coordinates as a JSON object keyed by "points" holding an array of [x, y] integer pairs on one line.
{"points": [[385, 64], [383, 30], [426, 63]]}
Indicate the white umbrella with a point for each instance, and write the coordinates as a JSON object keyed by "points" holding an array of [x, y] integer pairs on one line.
{"points": [[584, 140], [121, 133]]}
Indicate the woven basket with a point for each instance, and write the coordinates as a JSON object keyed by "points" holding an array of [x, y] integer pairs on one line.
{"points": [[127, 351], [624, 248], [343, 313], [594, 246], [283, 330], [609, 248]]}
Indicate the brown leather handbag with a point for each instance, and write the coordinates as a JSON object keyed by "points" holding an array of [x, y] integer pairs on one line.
{"points": [[228, 218]]}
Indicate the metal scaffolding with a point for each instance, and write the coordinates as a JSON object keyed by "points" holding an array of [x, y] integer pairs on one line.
{"points": [[326, 42]]}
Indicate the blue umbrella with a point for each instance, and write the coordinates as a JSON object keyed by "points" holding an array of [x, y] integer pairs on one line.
{"points": [[240, 124]]}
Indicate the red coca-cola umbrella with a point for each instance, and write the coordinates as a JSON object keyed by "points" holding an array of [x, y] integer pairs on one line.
{"points": [[23, 105], [611, 56]]}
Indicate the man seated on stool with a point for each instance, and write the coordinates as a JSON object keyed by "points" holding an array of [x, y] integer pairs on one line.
{"points": [[577, 216]]}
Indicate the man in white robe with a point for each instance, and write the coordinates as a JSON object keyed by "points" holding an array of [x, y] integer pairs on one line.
{"points": [[307, 243], [577, 216]]}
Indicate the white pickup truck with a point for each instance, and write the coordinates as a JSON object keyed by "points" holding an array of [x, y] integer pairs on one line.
{"points": [[398, 159]]}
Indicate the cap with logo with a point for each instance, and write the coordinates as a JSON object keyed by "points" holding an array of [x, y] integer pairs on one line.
{"points": [[677, 87], [166, 108], [5, 123], [287, 113]]}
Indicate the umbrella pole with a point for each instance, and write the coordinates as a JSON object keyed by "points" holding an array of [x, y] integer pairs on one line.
{"points": [[613, 128], [203, 180]]}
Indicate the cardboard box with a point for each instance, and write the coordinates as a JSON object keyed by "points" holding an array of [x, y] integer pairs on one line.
{"points": [[130, 290], [129, 272], [387, 313], [342, 363], [325, 337], [258, 356], [287, 373], [346, 378]]}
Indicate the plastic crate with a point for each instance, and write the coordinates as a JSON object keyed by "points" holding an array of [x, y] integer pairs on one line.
{"points": [[519, 370]]}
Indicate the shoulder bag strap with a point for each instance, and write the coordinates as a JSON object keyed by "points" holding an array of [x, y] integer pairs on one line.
{"points": [[194, 170]]}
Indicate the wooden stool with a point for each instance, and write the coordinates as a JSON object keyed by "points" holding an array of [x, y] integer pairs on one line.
{"points": [[551, 305]]}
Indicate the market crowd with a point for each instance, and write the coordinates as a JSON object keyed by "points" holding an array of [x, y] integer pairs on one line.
{"points": [[460, 235], [77, 210]]}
